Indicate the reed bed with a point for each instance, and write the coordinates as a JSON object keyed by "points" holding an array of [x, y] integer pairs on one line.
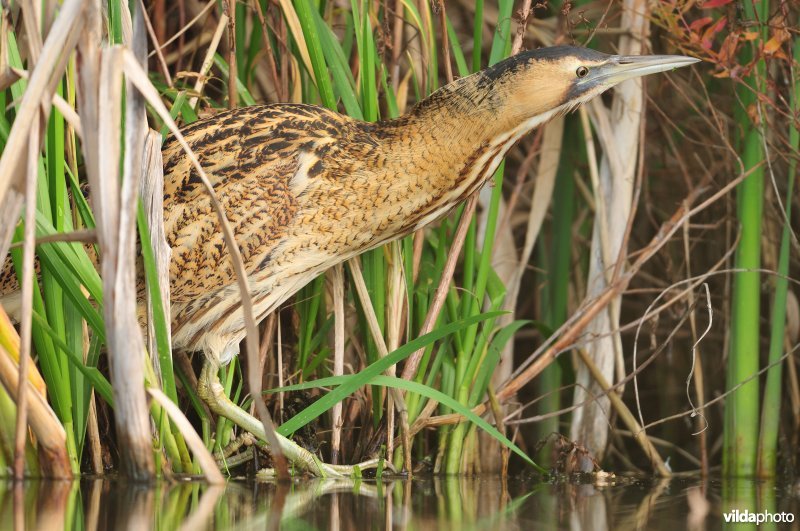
{"points": [[622, 297]]}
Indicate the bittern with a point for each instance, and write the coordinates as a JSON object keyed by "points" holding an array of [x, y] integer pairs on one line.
{"points": [[306, 188]]}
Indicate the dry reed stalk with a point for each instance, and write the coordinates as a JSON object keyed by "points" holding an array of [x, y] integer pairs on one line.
{"points": [[614, 202], [42, 85], [448, 67], [625, 415], [397, 43], [116, 225], [32, 20], [297, 32], [93, 435], [268, 52], [28, 276], [162, 63], [396, 310]]}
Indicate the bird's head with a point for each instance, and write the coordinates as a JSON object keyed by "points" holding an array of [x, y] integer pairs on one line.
{"points": [[560, 78]]}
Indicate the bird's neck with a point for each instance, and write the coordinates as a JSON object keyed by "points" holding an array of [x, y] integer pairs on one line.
{"points": [[474, 113], [460, 133], [446, 148]]}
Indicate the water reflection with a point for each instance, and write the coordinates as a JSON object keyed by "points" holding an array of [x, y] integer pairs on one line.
{"points": [[436, 503]]}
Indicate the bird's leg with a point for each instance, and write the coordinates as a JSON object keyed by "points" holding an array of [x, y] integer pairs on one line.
{"points": [[210, 389]]}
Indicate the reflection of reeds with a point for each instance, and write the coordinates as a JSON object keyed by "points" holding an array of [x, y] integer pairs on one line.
{"points": [[64, 91]]}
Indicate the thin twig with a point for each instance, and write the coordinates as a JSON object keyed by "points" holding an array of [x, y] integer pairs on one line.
{"points": [[337, 282], [273, 67], [161, 61], [565, 337], [413, 361], [448, 67], [625, 415], [209, 5], [28, 273]]}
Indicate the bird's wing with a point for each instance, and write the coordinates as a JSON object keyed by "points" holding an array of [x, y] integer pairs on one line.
{"points": [[254, 184]]}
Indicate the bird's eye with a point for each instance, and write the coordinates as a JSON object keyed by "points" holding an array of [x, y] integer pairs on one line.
{"points": [[581, 71]]}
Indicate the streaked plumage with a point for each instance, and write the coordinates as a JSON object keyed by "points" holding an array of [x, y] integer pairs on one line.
{"points": [[306, 188]]}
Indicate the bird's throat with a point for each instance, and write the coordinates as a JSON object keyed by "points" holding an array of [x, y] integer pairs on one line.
{"points": [[446, 150]]}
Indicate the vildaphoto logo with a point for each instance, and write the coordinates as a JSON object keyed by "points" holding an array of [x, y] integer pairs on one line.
{"points": [[764, 517]]}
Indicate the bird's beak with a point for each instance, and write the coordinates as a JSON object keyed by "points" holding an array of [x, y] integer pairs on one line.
{"points": [[623, 67]]}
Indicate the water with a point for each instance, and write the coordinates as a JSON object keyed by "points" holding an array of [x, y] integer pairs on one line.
{"points": [[435, 503]]}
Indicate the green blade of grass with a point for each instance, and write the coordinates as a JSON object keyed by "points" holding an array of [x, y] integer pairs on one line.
{"points": [[362, 378], [771, 411], [316, 54], [95, 377], [426, 391]]}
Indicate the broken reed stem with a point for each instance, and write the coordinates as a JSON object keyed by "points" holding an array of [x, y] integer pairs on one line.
{"points": [[625, 415]]}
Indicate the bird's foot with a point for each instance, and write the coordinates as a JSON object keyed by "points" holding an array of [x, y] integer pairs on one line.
{"points": [[210, 389]]}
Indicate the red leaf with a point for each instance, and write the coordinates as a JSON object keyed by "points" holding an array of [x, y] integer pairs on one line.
{"points": [[715, 3], [710, 33], [700, 23]]}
